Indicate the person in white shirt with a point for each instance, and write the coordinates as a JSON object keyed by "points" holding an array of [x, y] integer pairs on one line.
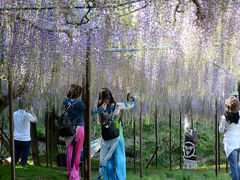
{"points": [[230, 126], [22, 140]]}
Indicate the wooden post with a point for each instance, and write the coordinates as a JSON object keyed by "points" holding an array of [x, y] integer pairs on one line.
{"points": [[11, 125], [87, 119], [219, 158], [140, 127], [134, 143], [47, 135], [216, 139], [170, 139], [180, 145], [52, 119], [149, 162], [226, 165], [239, 90], [156, 135], [34, 145], [164, 110], [191, 121], [84, 89], [1, 135], [5, 140]]}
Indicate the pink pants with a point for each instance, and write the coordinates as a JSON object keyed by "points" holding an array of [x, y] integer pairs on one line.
{"points": [[74, 172]]}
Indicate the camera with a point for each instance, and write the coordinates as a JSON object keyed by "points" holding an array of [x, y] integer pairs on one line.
{"points": [[129, 97]]}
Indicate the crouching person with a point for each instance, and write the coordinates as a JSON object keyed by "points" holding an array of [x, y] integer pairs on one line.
{"points": [[22, 140]]}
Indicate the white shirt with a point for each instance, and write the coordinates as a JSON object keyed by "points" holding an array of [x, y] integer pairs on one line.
{"points": [[22, 121], [231, 132]]}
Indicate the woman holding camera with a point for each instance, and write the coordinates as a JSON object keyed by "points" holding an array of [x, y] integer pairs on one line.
{"points": [[230, 126], [74, 107], [112, 154]]}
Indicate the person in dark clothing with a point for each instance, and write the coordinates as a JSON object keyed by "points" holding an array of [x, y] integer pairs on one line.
{"points": [[74, 106]]}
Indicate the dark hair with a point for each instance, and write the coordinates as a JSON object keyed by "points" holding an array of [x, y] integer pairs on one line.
{"points": [[22, 104], [75, 91], [103, 95], [232, 117]]}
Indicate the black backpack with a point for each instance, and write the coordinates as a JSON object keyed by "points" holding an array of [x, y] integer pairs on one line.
{"points": [[65, 125], [109, 131]]}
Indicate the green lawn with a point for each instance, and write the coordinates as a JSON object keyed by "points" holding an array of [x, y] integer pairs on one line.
{"points": [[31, 172], [43, 173], [178, 175]]}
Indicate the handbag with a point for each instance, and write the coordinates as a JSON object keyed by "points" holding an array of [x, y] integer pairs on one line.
{"points": [[65, 126]]}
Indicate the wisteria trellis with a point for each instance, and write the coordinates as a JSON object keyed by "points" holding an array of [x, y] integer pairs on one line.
{"points": [[171, 57]]}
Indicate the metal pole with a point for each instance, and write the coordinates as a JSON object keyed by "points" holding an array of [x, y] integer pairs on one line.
{"points": [[156, 136], [180, 145], [216, 139], [11, 126], [140, 127], [87, 152], [134, 143], [170, 139]]}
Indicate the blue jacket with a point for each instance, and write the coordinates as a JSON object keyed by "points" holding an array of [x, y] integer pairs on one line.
{"points": [[75, 109]]}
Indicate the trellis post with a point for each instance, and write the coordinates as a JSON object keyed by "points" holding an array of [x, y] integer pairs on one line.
{"points": [[2, 135], [156, 135], [140, 127], [180, 134], [87, 119], [170, 139], [134, 143], [216, 140], [226, 165], [52, 119], [47, 134], [219, 158], [239, 90], [11, 124]]}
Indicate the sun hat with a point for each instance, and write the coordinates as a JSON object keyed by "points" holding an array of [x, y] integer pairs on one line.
{"points": [[233, 104]]}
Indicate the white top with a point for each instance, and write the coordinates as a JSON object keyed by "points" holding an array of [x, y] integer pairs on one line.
{"points": [[22, 121], [231, 132], [120, 106]]}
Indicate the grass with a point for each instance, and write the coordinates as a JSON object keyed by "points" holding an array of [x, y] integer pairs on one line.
{"points": [[43, 173], [32, 173], [178, 175], [205, 155]]}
